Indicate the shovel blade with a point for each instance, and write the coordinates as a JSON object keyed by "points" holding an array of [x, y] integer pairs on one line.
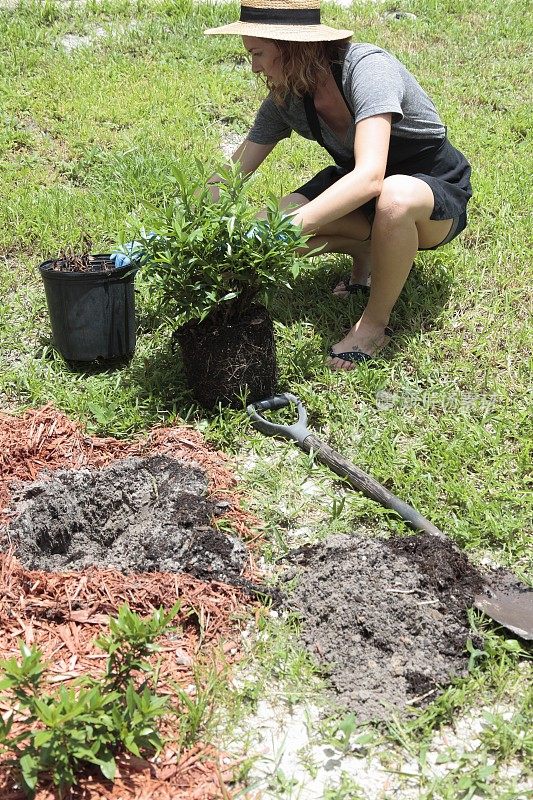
{"points": [[512, 609]]}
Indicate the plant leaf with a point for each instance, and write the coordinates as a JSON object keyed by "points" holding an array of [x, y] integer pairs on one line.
{"points": [[108, 767]]}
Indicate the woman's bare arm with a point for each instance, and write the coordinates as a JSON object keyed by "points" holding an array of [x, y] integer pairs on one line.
{"points": [[371, 148]]}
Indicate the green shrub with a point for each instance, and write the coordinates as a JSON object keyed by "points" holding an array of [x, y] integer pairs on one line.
{"points": [[92, 721], [205, 257]]}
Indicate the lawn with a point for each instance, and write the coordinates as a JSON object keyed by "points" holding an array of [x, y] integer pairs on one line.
{"points": [[101, 102]]}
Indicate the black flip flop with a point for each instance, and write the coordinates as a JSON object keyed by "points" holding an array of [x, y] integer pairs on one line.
{"points": [[357, 356]]}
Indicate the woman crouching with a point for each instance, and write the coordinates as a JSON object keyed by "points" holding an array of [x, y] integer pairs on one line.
{"points": [[396, 186]]}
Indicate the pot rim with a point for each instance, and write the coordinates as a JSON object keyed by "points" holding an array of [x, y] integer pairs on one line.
{"points": [[46, 270]]}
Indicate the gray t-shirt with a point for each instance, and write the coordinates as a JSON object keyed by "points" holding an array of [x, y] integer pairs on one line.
{"points": [[374, 82]]}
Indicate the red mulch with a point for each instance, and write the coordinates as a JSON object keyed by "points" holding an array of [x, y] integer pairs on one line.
{"points": [[62, 613], [46, 439]]}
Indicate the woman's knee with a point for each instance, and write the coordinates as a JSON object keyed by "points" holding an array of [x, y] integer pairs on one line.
{"points": [[403, 197]]}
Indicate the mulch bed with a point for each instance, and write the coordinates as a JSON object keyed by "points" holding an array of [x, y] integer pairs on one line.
{"points": [[62, 613], [46, 439]]}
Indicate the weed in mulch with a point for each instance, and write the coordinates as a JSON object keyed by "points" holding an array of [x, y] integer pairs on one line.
{"points": [[59, 733], [386, 618], [63, 613]]}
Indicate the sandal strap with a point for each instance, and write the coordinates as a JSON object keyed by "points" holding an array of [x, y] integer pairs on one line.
{"points": [[353, 288], [355, 356]]}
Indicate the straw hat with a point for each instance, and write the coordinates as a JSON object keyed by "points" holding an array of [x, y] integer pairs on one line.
{"points": [[287, 20]]}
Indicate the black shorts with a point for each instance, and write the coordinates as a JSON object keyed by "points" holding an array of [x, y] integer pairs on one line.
{"points": [[437, 162]]}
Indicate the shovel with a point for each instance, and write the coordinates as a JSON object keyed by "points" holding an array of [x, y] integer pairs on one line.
{"points": [[513, 609], [300, 433]]}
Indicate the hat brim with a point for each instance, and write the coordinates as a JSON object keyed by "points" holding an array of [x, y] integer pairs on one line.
{"points": [[285, 33]]}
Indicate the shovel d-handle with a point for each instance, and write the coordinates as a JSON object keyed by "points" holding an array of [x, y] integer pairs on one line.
{"points": [[298, 431], [358, 479]]}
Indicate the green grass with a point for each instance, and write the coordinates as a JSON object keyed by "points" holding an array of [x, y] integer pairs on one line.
{"points": [[88, 136]]}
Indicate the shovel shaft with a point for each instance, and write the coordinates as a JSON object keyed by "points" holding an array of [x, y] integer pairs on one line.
{"points": [[368, 485]]}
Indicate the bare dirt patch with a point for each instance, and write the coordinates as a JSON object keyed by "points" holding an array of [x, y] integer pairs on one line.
{"points": [[386, 618], [136, 515], [44, 439]]}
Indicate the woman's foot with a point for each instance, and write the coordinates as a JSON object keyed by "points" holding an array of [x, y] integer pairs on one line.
{"points": [[362, 342], [359, 279], [347, 286]]}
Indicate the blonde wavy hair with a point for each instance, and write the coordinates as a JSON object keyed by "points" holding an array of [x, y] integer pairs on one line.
{"points": [[304, 66]]}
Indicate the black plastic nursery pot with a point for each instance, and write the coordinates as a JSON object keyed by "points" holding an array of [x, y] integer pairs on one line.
{"points": [[92, 313], [224, 359]]}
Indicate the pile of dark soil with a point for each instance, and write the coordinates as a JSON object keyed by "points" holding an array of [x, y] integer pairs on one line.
{"points": [[386, 618], [136, 515]]}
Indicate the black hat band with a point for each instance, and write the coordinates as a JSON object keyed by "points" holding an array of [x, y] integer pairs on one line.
{"points": [[281, 16]]}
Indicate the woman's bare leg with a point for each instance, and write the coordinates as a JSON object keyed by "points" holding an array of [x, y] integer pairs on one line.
{"points": [[402, 224], [361, 268], [349, 235], [290, 202]]}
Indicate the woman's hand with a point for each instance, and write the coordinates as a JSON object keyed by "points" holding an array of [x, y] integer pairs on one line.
{"points": [[260, 230]]}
